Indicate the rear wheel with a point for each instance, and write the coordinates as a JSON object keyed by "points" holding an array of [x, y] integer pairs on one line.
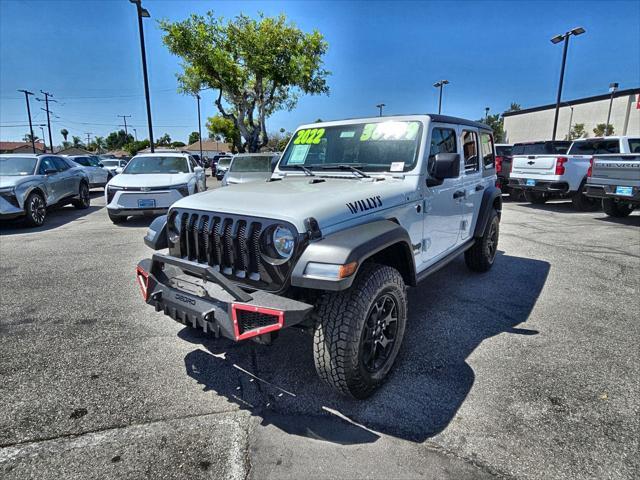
{"points": [[117, 218], [84, 200], [358, 332], [616, 209], [536, 198], [35, 209], [481, 256], [582, 203]]}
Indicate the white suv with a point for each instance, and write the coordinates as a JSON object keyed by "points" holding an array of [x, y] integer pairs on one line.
{"points": [[151, 183]]}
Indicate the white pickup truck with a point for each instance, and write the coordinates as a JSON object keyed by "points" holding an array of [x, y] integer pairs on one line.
{"points": [[552, 173]]}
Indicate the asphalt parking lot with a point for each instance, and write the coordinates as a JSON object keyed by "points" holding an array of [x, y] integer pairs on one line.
{"points": [[528, 371]]}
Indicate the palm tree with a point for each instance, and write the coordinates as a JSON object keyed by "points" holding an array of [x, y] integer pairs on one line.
{"points": [[99, 143], [27, 138], [76, 141], [65, 133]]}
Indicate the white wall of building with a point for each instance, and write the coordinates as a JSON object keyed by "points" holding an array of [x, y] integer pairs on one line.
{"points": [[538, 125]]}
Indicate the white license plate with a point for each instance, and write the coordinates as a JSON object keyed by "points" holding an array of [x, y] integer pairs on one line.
{"points": [[146, 203], [626, 191], [531, 183]]}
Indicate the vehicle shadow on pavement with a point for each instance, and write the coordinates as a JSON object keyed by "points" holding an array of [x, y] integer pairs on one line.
{"points": [[56, 217], [450, 314], [632, 220]]}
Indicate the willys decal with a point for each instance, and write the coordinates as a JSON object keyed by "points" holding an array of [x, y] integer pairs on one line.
{"points": [[365, 204]]}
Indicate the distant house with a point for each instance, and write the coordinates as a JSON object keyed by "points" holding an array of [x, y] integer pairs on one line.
{"points": [[73, 151], [209, 147], [118, 153], [21, 147]]}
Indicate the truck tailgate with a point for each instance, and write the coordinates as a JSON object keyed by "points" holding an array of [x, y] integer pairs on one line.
{"points": [[619, 169], [536, 164]]}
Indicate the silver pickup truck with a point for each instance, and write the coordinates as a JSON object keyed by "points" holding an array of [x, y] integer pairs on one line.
{"points": [[616, 180]]}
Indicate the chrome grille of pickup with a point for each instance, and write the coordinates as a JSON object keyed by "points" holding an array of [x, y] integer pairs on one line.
{"points": [[230, 245]]}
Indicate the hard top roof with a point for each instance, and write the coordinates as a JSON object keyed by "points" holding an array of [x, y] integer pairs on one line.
{"points": [[434, 117]]}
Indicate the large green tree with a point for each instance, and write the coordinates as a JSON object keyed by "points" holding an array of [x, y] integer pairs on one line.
{"points": [[223, 128], [257, 65], [496, 122], [65, 133], [193, 137], [164, 141], [117, 140], [601, 131]]}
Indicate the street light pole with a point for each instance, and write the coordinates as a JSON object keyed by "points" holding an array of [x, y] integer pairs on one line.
{"points": [[439, 85], [570, 122], [43, 140], [612, 88], [26, 97], [557, 39], [199, 128], [135, 134], [486, 114], [380, 106], [142, 12]]}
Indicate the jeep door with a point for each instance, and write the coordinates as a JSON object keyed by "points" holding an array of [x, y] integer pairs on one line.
{"points": [[473, 184], [443, 211]]}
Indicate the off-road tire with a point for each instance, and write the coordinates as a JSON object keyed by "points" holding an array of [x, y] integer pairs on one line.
{"points": [[616, 209], [582, 203], [339, 333], [36, 210], [84, 199], [481, 256], [116, 219], [536, 198]]}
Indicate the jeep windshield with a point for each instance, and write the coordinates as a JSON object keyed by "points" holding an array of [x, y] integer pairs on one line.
{"points": [[15, 166], [140, 165], [251, 163], [374, 147]]}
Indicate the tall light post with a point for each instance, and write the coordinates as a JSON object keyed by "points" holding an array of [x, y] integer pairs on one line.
{"points": [[612, 88], [199, 128], [144, 13], [380, 106], [43, 140], [486, 114], [26, 97], [439, 85], [557, 39], [570, 121]]}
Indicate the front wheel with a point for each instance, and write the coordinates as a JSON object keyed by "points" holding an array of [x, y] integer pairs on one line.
{"points": [[84, 200], [616, 209], [358, 332], [35, 209], [481, 256]]}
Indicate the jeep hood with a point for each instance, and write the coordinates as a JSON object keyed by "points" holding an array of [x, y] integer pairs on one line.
{"points": [[293, 199], [150, 179]]}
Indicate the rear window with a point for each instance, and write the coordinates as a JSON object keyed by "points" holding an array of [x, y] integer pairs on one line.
{"points": [[503, 150], [594, 147], [540, 148], [634, 145]]}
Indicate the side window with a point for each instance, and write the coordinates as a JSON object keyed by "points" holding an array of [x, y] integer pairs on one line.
{"points": [[93, 162], [193, 162], [443, 140], [470, 149], [46, 164], [634, 145], [61, 165], [486, 145]]}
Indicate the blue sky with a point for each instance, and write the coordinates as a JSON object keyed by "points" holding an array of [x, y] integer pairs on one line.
{"points": [[87, 54]]}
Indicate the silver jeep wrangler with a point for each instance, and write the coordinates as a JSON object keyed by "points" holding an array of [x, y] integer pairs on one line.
{"points": [[356, 211]]}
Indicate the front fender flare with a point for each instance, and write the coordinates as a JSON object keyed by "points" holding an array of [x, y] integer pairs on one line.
{"points": [[355, 244]]}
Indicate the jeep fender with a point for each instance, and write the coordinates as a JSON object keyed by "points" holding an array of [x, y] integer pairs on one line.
{"points": [[355, 244], [492, 198]]}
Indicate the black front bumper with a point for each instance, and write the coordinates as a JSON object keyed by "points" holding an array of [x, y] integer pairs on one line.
{"points": [[197, 295], [540, 186]]}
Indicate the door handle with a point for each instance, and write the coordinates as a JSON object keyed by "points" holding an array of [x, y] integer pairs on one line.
{"points": [[479, 187], [458, 194]]}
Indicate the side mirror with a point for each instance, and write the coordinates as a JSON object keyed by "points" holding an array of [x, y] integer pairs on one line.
{"points": [[119, 170], [444, 165], [198, 170], [50, 171]]}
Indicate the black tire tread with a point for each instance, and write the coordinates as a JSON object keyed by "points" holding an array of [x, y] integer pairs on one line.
{"points": [[337, 332], [475, 257], [612, 209]]}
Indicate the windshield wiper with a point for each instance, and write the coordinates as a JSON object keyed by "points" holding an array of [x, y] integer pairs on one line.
{"points": [[306, 170], [345, 166]]}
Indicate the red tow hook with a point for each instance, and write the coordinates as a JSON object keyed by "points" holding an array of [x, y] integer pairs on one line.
{"points": [[143, 281]]}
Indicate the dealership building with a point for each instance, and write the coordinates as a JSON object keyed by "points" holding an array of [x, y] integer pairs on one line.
{"points": [[536, 123]]}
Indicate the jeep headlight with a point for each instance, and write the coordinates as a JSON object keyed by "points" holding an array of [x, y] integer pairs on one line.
{"points": [[283, 241]]}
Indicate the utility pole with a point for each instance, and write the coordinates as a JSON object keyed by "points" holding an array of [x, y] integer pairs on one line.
{"points": [[88, 134], [439, 85], [380, 107], [144, 13], [124, 117], [612, 88], [199, 128], [555, 40], [26, 97], [46, 109]]}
